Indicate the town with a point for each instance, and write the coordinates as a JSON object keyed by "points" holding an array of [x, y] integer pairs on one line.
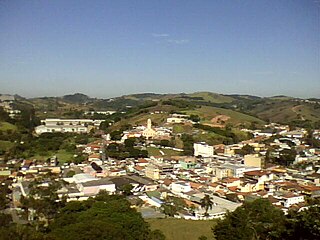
{"points": [[159, 120], [206, 184]]}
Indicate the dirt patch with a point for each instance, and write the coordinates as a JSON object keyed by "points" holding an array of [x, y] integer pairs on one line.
{"points": [[220, 119]]}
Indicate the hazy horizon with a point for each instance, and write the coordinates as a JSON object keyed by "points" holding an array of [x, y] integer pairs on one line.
{"points": [[111, 48], [135, 93]]}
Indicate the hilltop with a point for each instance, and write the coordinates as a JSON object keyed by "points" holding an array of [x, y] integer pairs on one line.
{"points": [[213, 109]]}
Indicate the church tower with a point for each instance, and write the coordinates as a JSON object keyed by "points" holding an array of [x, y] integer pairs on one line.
{"points": [[149, 124]]}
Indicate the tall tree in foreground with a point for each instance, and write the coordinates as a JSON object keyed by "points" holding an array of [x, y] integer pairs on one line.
{"points": [[206, 203], [105, 217], [253, 220], [303, 225]]}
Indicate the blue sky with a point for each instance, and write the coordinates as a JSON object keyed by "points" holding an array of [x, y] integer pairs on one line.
{"points": [[111, 48]]}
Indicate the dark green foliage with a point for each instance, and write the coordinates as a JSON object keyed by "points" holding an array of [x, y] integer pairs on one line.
{"points": [[106, 217], [187, 144], [4, 191], [5, 220], [247, 149], [129, 143], [303, 225], [157, 235], [202, 238], [4, 116], [44, 199], [126, 189], [286, 157], [260, 220], [164, 143], [206, 203], [105, 125], [81, 139], [116, 135], [227, 133], [253, 220], [182, 104], [194, 118], [76, 98], [169, 209], [120, 151]]}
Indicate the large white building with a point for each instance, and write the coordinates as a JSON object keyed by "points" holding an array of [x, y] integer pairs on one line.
{"points": [[203, 149], [67, 125]]}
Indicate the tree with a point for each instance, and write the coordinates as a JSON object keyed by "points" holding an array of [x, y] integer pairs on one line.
{"points": [[247, 149], [116, 135], [4, 191], [169, 209], [206, 203], [44, 199], [194, 118], [105, 217], [157, 235], [253, 220], [129, 143], [304, 225], [126, 189], [287, 157], [187, 144], [202, 237]]}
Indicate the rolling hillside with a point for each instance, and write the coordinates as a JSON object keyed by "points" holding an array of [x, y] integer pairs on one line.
{"points": [[214, 109]]}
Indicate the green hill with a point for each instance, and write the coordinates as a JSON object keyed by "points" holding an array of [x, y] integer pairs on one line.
{"points": [[287, 111], [210, 115]]}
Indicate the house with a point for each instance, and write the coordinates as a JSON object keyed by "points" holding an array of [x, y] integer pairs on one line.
{"points": [[260, 176], [290, 198]]}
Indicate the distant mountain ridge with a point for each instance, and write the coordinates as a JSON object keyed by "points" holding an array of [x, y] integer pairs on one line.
{"points": [[282, 109], [76, 98]]}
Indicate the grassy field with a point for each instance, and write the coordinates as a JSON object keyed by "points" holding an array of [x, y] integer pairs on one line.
{"points": [[180, 128], [180, 229], [63, 156], [4, 126], [206, 113], [141, 119], [167, 152], [287, 111], [212, 97]]}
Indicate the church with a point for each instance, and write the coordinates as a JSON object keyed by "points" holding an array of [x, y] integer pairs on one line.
{"points": [[149, 132]]}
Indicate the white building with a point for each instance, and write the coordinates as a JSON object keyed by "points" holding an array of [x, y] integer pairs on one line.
{"points": [[99, 112], [203, 149], [177, 118], [292, 199], [67, 125], [180, 187], [93, 187]]}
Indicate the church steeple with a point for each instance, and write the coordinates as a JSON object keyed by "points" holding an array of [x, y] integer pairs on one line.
{"points": [[149, 124]]}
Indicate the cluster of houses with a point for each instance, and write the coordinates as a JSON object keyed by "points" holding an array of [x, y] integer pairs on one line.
{"points": [[218, 171]]}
